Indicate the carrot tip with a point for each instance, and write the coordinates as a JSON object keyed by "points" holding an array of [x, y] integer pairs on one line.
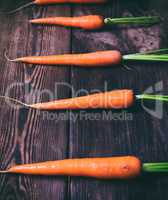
{"points": [[20, 8], [10, 60], [4, 172], [32, 21], [15, 101]]}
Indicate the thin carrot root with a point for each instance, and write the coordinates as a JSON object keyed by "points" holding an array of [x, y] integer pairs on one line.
{"points": [[90, 22], [19, 9], [4, 172], [8, 59], [94, 59], [15, 101]]}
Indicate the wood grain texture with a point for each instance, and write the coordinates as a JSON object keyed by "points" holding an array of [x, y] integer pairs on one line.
{"points": [[26, 135]]}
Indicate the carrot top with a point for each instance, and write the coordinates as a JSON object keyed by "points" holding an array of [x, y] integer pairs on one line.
{"points": [[133, 20], [158, 55], [155, 167], [163, 98]]}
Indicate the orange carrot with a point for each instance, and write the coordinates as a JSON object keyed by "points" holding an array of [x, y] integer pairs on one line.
{"points": [[116, 99], [93, 22], [44, 2], [105, 168], [90, 22], [95, 59]]}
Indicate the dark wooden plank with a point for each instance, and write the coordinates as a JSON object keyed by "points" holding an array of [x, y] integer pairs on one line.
{"points": [[27, 135], [143, 135]]}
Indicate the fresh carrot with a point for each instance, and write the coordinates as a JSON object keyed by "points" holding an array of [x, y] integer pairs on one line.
{"points": [[92, 22], [103, 168], [123, 167], [44, 2], [95, 59], [89, 22], [115, 99]]}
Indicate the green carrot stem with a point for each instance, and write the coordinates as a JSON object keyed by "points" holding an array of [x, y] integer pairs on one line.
{"points": [[155, 167], [157, 55], [133, 20], [153, 97], [150, 57]]}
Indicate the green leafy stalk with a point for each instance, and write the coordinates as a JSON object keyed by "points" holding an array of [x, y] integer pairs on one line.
{"points": [[163, 58], [155, 167], [163, 98], [133, 20], [158, 55]]}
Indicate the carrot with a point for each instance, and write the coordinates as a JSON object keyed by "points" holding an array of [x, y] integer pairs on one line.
{"points": [[89, 22], [116, 99], [95, 59], [92, 22], [44, 2], [123, 167], [104, 168]]}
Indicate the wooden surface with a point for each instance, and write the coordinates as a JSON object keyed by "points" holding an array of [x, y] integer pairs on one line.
{"points": [[28, 136]]}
